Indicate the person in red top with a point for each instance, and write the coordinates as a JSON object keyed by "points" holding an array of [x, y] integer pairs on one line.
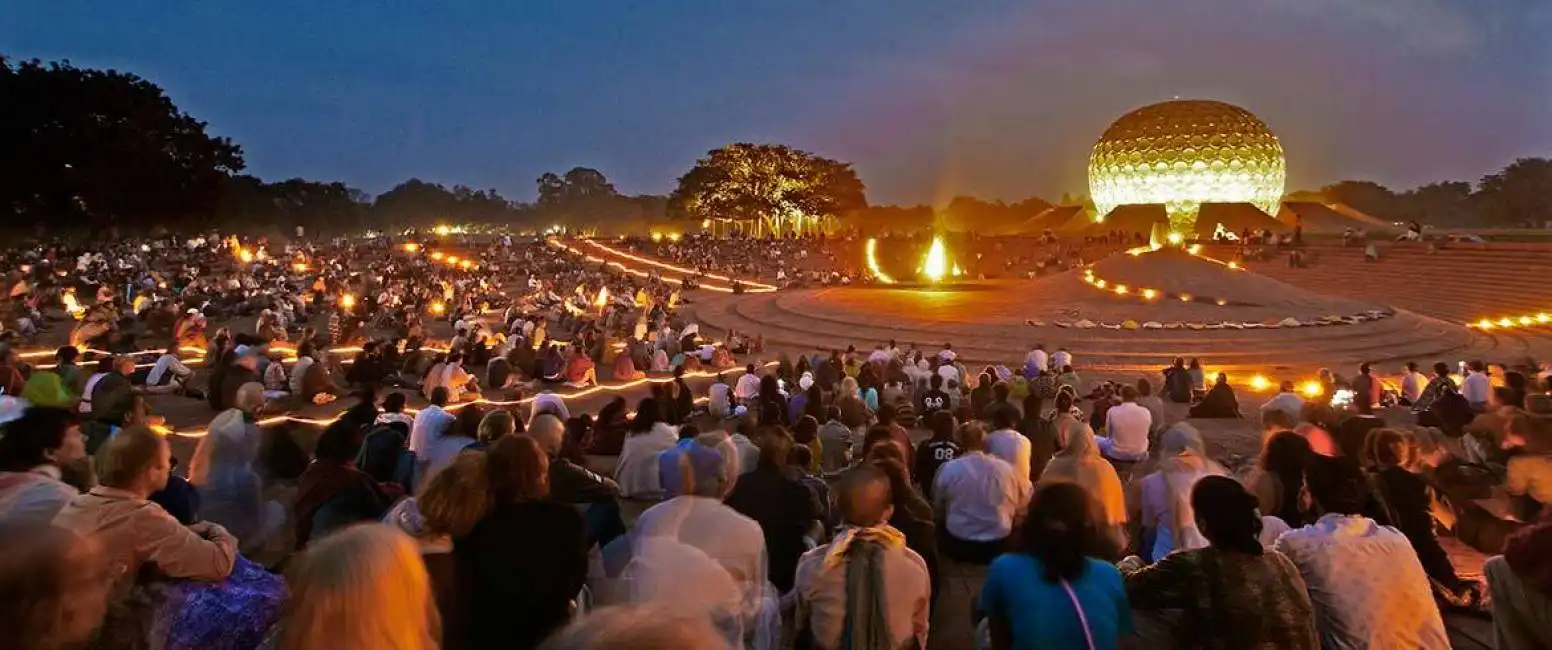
{"points": [[11, 379]]}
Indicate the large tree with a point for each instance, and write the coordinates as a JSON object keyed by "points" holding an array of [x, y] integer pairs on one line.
{"points": [[1519, 194], [103, 148], [781, 188]]}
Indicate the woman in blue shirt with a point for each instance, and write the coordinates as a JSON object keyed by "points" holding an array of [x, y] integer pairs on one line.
{"points": [[1050, 594]]}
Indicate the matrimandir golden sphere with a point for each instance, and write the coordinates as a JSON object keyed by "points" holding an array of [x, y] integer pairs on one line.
{"points": [[1184, 153]]}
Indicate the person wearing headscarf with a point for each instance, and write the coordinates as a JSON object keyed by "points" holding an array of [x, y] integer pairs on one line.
{"points": [[625, 368], [1219, 401], [231, 491], [1166, 493], [548, 402], [660, 360], [1078, 461]]}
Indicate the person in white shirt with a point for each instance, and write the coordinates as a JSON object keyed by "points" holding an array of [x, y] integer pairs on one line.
{"points": [[823, 592], [637, 468], [947, 355], [976, 496], [949, 374], [1412, 383], [701, 555], [1061, 359], [748, 388], [1008, 444], [431, 423], [457, 380], [880, 356], [1286, 401], [36, 447], [1477, 388], [1367, 585], [1126, 429], [1038, 358], [168, 375]]}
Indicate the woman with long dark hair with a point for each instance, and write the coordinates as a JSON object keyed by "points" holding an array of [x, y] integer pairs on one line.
{"points": [[517, 586], [1232, 593], [1279, 475], [1052, 593]]}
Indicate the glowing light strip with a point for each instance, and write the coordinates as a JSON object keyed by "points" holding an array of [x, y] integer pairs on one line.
{"points": [[600, 388], [1144, 293], [626, 269], [750, 285], [871, 249], [1506, 322]]}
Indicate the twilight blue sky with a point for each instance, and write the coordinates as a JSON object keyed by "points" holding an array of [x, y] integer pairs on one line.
{"points": [[927, 98]]}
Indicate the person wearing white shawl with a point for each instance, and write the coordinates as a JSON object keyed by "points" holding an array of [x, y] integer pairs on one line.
{"points": [[1166, 493], [231, 491], [702, 556], [548, 402], [660, 360]]}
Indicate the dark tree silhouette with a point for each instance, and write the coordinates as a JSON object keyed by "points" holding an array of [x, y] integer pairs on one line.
{"points": [[102, 149]]}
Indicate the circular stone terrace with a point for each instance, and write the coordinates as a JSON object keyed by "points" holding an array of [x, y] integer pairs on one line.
{"points": [[1124, 313]]}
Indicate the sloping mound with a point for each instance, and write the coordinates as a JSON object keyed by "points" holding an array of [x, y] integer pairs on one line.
{"points": [[1050, 218], [1173, 273], [1322, 218], [1235, 218], [1138, 218]]}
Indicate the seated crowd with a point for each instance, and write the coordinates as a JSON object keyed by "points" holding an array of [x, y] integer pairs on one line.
{"points": [[795, 508]]}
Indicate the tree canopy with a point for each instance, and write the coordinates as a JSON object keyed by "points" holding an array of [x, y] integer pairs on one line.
{"points": [[1519, 194], [786, 189], [103, 148]]}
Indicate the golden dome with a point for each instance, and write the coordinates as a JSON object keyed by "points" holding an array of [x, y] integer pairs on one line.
{"points": [[1184, 153]]}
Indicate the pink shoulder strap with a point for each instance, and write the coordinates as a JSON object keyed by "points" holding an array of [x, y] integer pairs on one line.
{"points": [[1083, 619]]}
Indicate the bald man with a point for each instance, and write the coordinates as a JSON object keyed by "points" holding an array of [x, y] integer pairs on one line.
{"points": [[821, 588], [577, 485]]}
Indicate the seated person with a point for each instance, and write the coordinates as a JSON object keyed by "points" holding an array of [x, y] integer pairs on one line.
{"points": [[169, 375], [134, 464], [1528, 439], [332, 493], [1365, 580], [1219, 401], [499, 374], [821, 586], [460, 384], [1408, 501], [976, 496], [310, 376], [579, 369], [625, 368]]}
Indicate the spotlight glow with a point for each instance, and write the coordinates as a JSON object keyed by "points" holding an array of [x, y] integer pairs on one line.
{"points": [[871, 254]]}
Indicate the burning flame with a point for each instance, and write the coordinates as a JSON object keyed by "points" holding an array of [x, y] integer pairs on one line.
{"points": [[347, 301], [245, 255], [72, 305], [438, 308], [603, 298], [935, 264]]}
